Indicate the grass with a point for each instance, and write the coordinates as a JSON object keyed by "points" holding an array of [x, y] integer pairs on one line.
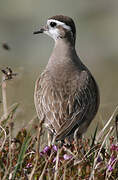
{"points": [[94, 158]]}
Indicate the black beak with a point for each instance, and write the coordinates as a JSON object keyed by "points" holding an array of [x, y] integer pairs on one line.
{"points": [[40, 31]]}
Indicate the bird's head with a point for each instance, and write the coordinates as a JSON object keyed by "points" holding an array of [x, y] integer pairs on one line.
{"points": [[59, 27]]}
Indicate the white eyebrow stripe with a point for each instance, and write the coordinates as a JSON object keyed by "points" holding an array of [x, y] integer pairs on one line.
{"points": [[59, 23]]}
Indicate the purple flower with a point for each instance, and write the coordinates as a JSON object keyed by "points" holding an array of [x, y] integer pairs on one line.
{"points": [[117, 148], [67, 157], [46, 150], [112, 158], [109, 167], [54, 159], [111, 162], [29, 165], [54, 147], [41, 153], [99, 159], [114, 147]]}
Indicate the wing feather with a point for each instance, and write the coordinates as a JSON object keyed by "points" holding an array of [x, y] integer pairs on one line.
{"points": [[82, 102], [64, 104]]}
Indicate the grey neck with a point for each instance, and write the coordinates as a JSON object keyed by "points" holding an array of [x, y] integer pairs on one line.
{"points": [[63, 52]]}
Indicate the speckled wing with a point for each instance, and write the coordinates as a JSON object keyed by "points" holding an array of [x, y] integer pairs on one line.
{"points": [[64, 104], [84, 106]]}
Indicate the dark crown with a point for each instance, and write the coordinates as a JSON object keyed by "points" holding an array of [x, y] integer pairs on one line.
{"points": [[68, 21]]}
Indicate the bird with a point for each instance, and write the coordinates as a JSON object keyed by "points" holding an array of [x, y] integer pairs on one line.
{"points": [[66, 94]]}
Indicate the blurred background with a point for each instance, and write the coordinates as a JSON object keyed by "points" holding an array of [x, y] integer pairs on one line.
{"points": [[97, 45]]}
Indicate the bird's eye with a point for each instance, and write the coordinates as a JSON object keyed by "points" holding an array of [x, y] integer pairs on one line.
{"points": [[53, 24]]}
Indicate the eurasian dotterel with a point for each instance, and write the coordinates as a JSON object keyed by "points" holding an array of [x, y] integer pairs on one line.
{"points": [[66, 94]]}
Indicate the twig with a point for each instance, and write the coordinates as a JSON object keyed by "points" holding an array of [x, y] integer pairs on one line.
{"points": [[101, 132], [43, 172], [116, 124], [11, 109], [10, 156], [98, 154], [33, 170], [5, 134], [64, 174], [39, 137], [108, 174], [56, 166], [37, 148], [87, 155], [4, 96]]}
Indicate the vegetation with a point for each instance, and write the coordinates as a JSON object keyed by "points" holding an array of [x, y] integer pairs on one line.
{"points": [[86, 159]]}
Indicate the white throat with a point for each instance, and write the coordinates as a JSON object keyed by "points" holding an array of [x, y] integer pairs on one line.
{"points": [[54, 31]]}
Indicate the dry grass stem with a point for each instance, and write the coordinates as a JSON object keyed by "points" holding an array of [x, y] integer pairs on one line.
{"points": [[100, 135], [56, 166], [9, 111], [37, 148], [5, 137], [4, 96], [98, 154]]}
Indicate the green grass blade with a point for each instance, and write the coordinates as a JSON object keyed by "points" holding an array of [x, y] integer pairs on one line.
{"points": [[21, 155], [94, 137]]}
